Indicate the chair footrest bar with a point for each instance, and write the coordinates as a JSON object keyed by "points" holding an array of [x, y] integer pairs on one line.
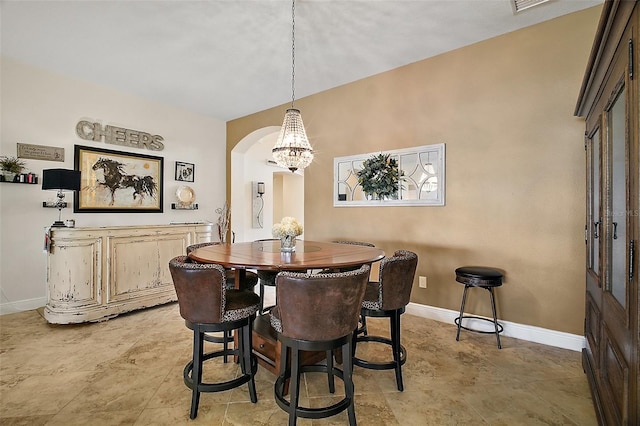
{"points": [[379, 365], [458, 322], [308, 412], [221, 386]]}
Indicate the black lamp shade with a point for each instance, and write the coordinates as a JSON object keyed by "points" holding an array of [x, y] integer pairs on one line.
{"points": [[61, 179]]}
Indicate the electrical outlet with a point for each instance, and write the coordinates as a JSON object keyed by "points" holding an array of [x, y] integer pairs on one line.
{"points": [[422, 282]]}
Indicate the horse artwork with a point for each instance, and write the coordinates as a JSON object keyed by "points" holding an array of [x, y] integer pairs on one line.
{"points": [[115, 178], [123, 182]]}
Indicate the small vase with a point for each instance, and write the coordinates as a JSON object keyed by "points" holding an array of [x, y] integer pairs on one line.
{"points": [[288, 244], [8, 176]]}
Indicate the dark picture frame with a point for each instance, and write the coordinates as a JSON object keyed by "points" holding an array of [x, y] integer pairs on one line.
{"points": [[118, 182], [185, 172]]}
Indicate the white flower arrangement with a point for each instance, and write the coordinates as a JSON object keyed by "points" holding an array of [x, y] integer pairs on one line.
{"points": [[288, 226]]}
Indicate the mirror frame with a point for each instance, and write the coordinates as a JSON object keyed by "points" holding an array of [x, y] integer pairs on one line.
{"points": [[436, 155]]}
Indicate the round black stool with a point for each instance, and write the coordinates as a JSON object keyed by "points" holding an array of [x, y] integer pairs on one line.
{"points": [[486, 278]]}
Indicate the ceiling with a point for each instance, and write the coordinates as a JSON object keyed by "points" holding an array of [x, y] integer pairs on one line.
{"points": [[227, 59]]}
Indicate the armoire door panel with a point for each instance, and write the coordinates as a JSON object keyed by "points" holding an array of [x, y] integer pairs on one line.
{"points": [[615, 379], [592, 330]]}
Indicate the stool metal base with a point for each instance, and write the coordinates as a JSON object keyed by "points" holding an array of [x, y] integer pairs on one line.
{"points": [[458, 321]]}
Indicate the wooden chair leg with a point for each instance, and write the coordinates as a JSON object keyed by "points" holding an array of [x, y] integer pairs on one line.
{"points": [[294, 386], [245, 349], [332, 385], [196, 373], [395, 344], [347, 369]]}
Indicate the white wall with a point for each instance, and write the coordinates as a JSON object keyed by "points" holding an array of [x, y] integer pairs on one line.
{"points": [[284, 191], [43, 108]]}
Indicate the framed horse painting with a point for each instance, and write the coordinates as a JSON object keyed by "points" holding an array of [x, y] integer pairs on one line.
{"points": [[118, 182]]}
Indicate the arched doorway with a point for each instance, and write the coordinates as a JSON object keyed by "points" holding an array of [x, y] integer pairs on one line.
{"points": [[251, 161]]}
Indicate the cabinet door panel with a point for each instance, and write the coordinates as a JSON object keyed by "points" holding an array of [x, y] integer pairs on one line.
{"points": [[615, 380], [594, 215], [74, 274], [140, 265], [617, 211]]}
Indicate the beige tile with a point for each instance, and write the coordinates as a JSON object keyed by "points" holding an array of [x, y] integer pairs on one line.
{"points": [[26, 421], [117, 390], [264, 413], [442, 406], [500, 405], [37, 395], [211, 415], [128, 370], [95, 418], [569, 396]]}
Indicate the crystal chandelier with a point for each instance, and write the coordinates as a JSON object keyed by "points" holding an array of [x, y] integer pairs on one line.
{"points": [[292, 149]]}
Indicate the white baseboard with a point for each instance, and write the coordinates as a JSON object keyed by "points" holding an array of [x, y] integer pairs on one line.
{"points": [[530, 333], [22, 305], [511, 329]]}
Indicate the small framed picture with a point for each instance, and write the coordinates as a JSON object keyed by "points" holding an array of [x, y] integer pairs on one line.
{"points": [[185, 172]]}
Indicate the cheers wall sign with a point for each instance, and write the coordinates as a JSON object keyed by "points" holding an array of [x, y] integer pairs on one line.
{"points": [[118, 136]]}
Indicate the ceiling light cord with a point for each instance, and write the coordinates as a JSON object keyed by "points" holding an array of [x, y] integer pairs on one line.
{"points": [[292, 149], [293, 52]]}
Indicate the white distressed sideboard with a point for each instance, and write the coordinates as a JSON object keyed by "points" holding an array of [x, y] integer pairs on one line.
{"points": [[97, 273]]}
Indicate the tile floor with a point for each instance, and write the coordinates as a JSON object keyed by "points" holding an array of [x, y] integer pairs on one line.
{"points": [[128, 371]]}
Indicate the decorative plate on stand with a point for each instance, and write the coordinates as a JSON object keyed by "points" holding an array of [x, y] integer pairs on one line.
{"points": [[186, 197]]}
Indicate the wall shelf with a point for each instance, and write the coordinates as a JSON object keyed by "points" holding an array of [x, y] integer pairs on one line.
{"points": [[54, 204], [24, 176], [178, 206], [22, 183]]}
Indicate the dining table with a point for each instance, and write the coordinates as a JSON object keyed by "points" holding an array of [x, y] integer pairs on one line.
{"points": [[266, 255]]}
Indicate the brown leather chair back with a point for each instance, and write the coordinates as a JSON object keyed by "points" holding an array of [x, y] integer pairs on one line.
{"points": [[200, 288], [396, 279], [193, 247], [320, 307], [355, 243]]}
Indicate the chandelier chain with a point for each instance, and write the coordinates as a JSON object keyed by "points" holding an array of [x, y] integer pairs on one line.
{"points": [[293, 52]]}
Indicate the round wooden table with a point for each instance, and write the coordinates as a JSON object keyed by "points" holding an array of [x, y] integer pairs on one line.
{"points": [[266, 255]]}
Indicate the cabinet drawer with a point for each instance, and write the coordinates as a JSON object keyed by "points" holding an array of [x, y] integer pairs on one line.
{"points": [[264, 346]]}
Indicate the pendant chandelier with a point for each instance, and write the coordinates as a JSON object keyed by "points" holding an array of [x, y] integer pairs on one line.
{"points": [[292, 149]]}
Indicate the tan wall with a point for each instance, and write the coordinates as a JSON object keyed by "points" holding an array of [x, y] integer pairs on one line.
{"points": [[514, 162]]}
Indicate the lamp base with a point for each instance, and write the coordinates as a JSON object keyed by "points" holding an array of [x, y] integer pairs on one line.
{"points": [[58, 224]]}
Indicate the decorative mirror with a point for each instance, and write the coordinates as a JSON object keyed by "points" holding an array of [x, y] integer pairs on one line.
{"points": [[417, 173]]}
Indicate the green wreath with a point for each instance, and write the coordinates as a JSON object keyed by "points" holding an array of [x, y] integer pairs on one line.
{"points": [[380, 177]]}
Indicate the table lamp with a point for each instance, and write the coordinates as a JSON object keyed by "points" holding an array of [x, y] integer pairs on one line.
{"points": [[62, 180]]}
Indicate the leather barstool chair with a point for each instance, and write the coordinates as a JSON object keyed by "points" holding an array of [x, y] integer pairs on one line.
{"points": [[207, 305], [317, 312], [362, 328], [250, 280], [481, 277], [388, 298], [248, 283]]}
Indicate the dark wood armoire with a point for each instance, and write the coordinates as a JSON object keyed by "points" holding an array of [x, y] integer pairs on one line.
{"points": [[610, 101]]}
